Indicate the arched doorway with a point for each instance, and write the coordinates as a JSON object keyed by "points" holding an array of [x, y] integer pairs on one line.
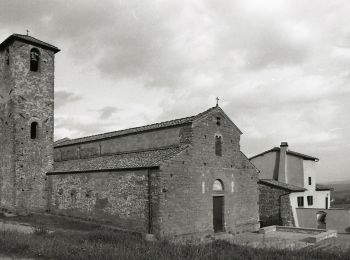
{"points": [[218, 206]]}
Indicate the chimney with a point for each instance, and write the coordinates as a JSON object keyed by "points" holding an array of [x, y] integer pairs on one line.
{"points": [[282, 169]]}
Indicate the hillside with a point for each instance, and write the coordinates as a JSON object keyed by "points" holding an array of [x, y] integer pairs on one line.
{"points": [[341, 194]]}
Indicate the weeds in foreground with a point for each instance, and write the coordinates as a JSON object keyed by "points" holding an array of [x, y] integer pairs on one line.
{"points": [[107, 244], [40, 229]]}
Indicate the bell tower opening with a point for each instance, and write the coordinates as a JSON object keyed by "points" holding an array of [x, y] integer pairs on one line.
{"points": [[34, 59]]}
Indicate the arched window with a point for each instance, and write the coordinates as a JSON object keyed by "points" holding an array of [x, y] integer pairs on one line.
{"points": [[34, 130], [34, 59], [218, 144], [218, 185]]}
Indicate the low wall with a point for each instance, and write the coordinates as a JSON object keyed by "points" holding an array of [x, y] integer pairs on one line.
{"points": [[336, 219]]}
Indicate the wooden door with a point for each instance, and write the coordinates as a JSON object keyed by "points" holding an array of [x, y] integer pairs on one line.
{"points": [[218, 216]]}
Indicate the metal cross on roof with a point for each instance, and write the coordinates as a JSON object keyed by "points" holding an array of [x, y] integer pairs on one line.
{"points": [[27, 32], [217, 101]]}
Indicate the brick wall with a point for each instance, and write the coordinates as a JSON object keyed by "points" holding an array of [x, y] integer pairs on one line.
{"points": [[118, 198], [274, 206]]}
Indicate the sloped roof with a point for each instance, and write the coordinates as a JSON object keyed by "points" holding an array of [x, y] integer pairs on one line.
{"points": [[30, 40], [122, 161], [320, 187], [277, 149], [282, 185], [175, 122]]}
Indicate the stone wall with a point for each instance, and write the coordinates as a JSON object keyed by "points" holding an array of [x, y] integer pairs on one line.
{"points": [[186, 200], [274, 206], [26, 97], [119, 198], [287, 216]]}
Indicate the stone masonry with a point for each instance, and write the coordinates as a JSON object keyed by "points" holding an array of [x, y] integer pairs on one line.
{"points": [[174, 196], [25, 97], [274, 206], [154, 179]]}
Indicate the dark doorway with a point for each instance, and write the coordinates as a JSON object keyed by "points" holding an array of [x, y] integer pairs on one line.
{"points": [[326, 202], [218, 216], [321, 220]]}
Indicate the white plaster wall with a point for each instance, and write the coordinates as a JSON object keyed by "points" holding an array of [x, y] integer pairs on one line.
{"points": [[319, 201], [309, 171], [295, 174], [267, 165]]}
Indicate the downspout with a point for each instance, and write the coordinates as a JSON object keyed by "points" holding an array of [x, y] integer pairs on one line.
{"points": [[149, 201]]}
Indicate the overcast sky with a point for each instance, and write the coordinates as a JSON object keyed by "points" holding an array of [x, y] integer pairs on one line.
{"points": [[280, 68]]}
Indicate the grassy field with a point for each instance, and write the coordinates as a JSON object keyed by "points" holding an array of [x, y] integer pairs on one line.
{"points": [[73, 239], [106, 244]]}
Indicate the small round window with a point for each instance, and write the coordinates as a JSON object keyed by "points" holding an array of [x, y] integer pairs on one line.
{"points": [[218, 185]]}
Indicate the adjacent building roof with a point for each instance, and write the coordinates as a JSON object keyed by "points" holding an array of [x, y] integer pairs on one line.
{"points": [[281, 185], [171, 123], [122, 161], [30, 40], [277, 149], [320, 187]]}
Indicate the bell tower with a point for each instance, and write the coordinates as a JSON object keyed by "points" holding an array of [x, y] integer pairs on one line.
{"points": [[26, 122]]}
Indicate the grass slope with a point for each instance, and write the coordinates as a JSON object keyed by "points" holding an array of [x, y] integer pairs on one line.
{"points": [[106, 244]]}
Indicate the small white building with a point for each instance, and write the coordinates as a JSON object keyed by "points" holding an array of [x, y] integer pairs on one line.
{"points": [[295, 169]]}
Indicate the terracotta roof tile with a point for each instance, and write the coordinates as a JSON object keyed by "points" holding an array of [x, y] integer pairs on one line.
{"points": [[175, 122], [282, 185], [131, 160], [277, 149], [28, 39], [323, 187]]}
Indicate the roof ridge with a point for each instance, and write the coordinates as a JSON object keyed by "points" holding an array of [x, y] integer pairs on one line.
{"points": [[30, 39], [29, 36], [304, 156], [138, 129], [283, 185]]}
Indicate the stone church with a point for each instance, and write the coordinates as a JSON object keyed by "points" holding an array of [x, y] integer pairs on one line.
{"points": [[186, 176]]}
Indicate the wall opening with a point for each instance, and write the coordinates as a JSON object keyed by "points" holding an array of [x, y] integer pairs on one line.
{"points": [[218, 206], [34, 59], [34, 130], [218, 213], [310, 200], [300, 202], [321, 220], [218, 185], [218, 145]]}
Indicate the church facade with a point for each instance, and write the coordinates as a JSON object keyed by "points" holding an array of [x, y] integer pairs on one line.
{"points": [[186, 176]]}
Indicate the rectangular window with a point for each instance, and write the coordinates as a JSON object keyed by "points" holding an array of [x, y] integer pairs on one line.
{"points": [[300, 202], [309, 180], [310, 200]]}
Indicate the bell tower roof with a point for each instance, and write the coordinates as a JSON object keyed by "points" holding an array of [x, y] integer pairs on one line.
{"points": [[28, 39]]}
